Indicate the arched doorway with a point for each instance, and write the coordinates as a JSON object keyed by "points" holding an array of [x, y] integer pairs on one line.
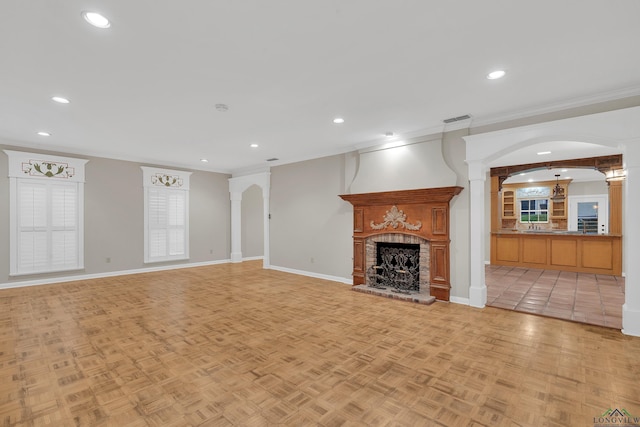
{"points": [[619, 129], [551, 250], [237, 186]]}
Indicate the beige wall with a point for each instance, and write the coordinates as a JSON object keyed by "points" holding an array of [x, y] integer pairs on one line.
{"points": [[311, 227], [113, 216], [252, 222], [588, 188]]}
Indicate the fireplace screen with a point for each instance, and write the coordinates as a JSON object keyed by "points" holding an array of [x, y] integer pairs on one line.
{"points": [[397, 266]]}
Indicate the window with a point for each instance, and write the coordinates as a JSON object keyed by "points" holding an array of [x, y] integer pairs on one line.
{"points": [[46, 213], [166, 217], [534, 210]]}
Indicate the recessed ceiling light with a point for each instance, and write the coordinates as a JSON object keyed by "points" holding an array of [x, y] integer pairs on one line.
{"points": [[96, 19], [542, 153], [254, 146], [204, 160], [498, 74], [338, 120], [60, 99], [43, 133]]}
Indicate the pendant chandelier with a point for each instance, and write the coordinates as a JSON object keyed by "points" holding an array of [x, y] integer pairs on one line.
{"points": [[558, 192]]}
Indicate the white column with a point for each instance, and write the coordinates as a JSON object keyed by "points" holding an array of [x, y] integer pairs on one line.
{"points": [[631, 238], [267, 216], [236, 227], [477, 286]]}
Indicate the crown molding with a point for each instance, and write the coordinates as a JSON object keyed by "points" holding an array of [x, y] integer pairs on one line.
{"points": [[553, 107]]}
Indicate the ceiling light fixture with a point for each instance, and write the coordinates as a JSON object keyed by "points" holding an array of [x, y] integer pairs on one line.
{"points": [[498, 74], [43, 133], [558, 192], [542, 153], [96, 19], [338, 120], [204, 160], [60, 99], [254, 146]]}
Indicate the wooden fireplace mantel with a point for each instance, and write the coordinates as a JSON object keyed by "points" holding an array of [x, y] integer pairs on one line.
{"points": [[423, 212]]}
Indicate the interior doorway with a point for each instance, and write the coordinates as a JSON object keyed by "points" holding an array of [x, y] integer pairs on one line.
{"points": [[589, 214]]}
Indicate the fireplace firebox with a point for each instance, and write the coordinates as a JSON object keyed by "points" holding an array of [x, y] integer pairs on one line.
{"points": [[397, 266]]}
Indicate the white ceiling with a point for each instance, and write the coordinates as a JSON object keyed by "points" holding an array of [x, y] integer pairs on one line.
{"points": [[146, 88]]}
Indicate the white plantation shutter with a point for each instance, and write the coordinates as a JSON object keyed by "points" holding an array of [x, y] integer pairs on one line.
{"points": [[166, 215], [64, 225], [46, 224], [176, 222], [157, 223]]}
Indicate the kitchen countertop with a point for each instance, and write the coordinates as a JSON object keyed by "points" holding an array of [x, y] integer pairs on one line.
{"points": [[552, 233]]}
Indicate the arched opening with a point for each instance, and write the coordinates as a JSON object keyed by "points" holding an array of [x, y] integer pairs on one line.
{"points": [[552, 252], [252, 186], [618, 129]]}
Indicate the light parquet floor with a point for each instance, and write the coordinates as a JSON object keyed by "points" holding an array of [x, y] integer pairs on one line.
{"points": [[237, 345]]}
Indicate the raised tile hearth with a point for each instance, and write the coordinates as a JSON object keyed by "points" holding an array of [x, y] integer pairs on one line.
{"points": [[421, 297]]}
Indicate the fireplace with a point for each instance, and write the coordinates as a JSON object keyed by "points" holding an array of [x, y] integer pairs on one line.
{"points": [[409, 217], [389, 252]]}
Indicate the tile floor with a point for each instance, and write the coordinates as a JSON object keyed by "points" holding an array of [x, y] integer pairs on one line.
{"points": [[587, 298]]}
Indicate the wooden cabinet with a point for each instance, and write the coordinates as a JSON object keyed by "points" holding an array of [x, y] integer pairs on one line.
{"points": [[585, 253], [559, 208], [508, 204]]}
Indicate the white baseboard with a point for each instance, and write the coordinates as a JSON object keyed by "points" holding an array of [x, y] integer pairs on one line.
{"points": [[314, 275], [459, 300], [52, 280], [252, 258]]}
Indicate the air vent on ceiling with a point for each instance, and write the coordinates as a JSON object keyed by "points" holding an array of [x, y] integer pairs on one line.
{"points": [[273, 159], [457, 119]]}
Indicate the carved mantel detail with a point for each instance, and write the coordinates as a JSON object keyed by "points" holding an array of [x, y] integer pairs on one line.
{"points": [[396, 217], [428, 209]]}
